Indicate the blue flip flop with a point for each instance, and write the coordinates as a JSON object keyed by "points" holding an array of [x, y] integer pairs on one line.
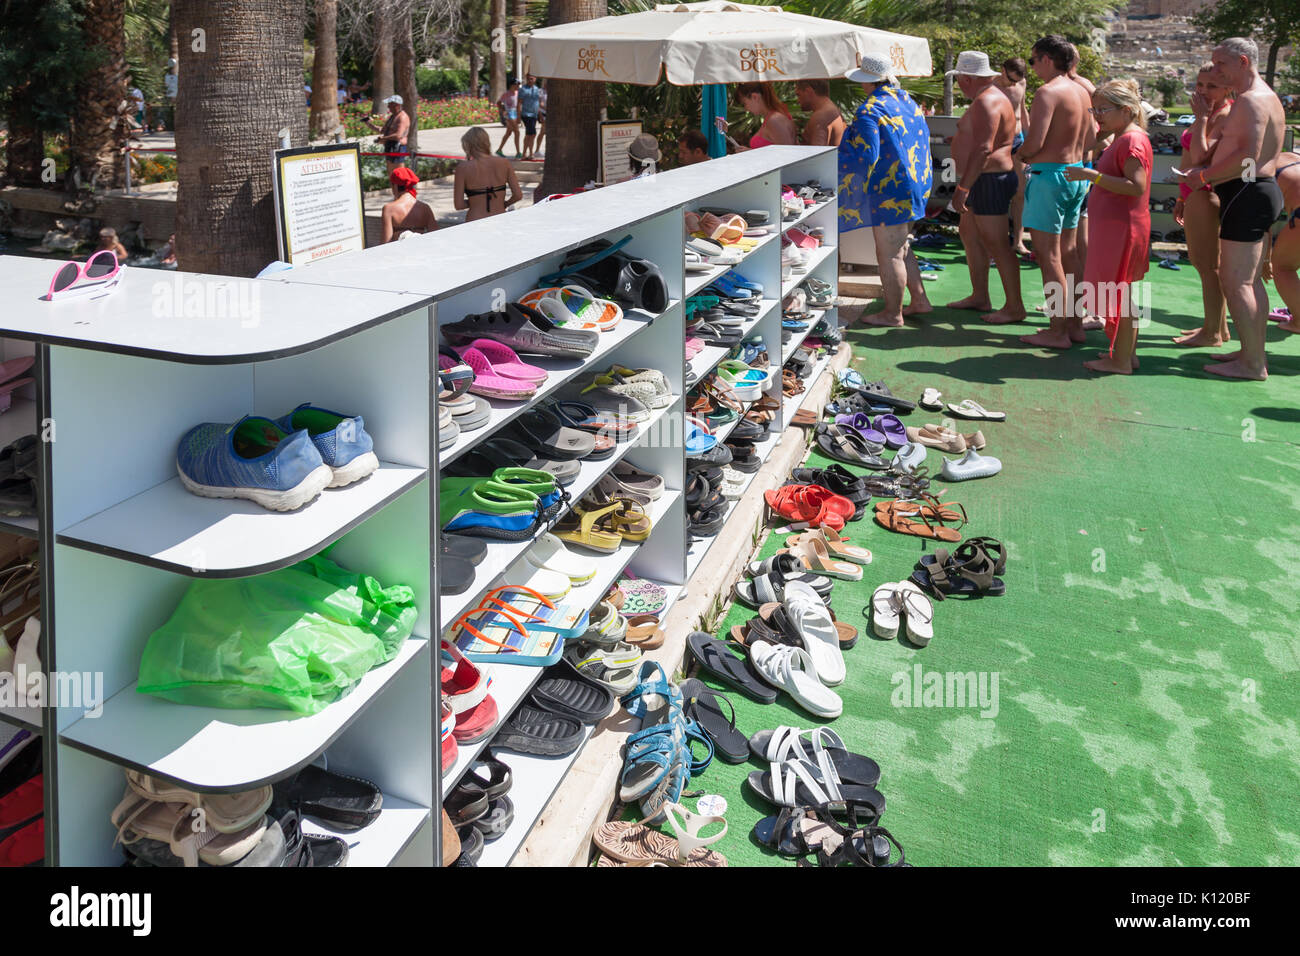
{"points": [[728, 286], [698, 441]]}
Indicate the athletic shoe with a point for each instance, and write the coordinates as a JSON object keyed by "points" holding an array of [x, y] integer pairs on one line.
{"points": [[255, 459], [342, 440]]}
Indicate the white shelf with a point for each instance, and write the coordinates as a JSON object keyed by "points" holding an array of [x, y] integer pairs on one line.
{"points": [[534, 782], [707, 359], [380, 843], [220, 750], [796, 338], [502, 554], [24, 526], [695, 281], [511, 683], [28, 718], [819, 255], [561, 371], [811, 210], [167, 527], [791, 404]]}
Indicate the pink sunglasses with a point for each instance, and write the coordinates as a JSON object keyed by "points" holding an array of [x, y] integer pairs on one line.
{"points": [[99, 273]]}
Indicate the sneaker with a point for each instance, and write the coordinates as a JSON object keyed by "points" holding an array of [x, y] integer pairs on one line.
{"points": [[255, 459], [342, 440]]}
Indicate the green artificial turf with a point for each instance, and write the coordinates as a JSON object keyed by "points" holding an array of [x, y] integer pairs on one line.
{"points": [[1146, 648]]}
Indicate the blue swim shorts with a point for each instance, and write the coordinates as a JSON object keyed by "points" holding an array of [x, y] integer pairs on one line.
{"points": [[1052, 202]]}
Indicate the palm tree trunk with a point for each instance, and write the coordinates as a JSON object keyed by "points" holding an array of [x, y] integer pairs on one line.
{"points": [[99, 125], [24, 150], [497, 51], [382, 77], [475, 65], [1270, 71], [519, 14], [240, 87], [404, 74], [325, 71], [572, 112]]}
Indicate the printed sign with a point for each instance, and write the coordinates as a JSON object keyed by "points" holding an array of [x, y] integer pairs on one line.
{"points": [[318, 206], [759, 59], [615, 137]]}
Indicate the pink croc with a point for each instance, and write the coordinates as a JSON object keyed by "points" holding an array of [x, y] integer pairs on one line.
{"points": [[507, 363]]}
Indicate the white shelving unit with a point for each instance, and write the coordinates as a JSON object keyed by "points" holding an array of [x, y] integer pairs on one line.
{"points": [[125, 375]]}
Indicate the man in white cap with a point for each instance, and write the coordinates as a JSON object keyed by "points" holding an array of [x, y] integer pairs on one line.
{"points": [[885, 177], [643, 156], [986, 184], [392, 135]]}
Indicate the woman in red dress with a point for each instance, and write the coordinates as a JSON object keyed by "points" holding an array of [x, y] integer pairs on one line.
{"points": [[1119, 221]]}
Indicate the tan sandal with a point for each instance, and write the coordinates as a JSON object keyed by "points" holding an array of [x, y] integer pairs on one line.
{"points": [[896, 521], [639, 845], [836, 543], [817, 557], [595, 528], [847, 633], [644, 631]]}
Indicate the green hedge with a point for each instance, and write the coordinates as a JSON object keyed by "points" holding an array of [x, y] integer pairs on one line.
{"points": [[435, 84]]}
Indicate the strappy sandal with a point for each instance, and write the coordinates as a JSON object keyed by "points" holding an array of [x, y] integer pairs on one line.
{"points": [[927, 527], [643, 631], [835, 542], [592, 528], [637, 844], [970, 570], [817, 556], [927, 506]]}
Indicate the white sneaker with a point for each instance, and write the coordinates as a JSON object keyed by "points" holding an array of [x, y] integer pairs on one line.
{"points": [[970, 465]]}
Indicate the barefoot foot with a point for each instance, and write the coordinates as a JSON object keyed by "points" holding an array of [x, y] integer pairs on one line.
{"points": [[1092, 324], [1047, 339], [1293, 325], [970, 302], [1108, 366], [881, 320], [1199, 338], [1003, 317], [1228, 356], [1237, 369], [918, 308]]}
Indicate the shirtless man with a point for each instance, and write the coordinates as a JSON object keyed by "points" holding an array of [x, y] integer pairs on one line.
{"points": [[1243, 175], [825, 126], [405, 213], [986, 184], [1060, 129], [1012, 82]]}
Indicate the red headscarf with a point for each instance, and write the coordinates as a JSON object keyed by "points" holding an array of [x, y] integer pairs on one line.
{"points": [[404, 179]]}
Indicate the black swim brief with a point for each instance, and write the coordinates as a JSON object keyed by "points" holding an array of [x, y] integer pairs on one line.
{"points": [[1247, 210], [992, 193]]}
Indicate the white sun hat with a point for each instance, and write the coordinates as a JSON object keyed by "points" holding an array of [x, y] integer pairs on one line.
{"points": [[973, 63], [871, 69]]}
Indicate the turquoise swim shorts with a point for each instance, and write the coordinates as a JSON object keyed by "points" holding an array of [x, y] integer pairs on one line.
{"points": [[1052, 202]]}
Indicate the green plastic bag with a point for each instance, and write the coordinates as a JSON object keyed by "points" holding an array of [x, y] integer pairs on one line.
{"points": [[299, 638]]}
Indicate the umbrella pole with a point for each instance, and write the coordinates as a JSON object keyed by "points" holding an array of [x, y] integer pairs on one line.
{"points": [[714, 103]]}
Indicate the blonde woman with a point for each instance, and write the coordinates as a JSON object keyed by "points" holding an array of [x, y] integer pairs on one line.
{"points": [[481, 178], [1197, 210], [1120, 220]]}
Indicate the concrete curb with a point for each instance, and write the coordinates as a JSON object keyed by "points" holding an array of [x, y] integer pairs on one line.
{"points": [[584, 799]]}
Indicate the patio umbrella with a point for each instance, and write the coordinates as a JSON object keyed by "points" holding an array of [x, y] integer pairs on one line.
{"points": [[697, 44]]}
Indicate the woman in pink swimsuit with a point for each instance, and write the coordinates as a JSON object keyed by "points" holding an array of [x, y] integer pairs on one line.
{"points": [[1120, 220], [761, 100], [1198, 212]]}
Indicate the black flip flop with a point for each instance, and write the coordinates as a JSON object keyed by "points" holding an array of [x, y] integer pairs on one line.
{"points": [[846, 445], [464, 547], [532, 730], [704, 706], [494, 823], [852, 768], [542, 431], [455, 575], [707, 523], [471, 846], [726, 667], [508, 453], [337, 800], [564, 690]]}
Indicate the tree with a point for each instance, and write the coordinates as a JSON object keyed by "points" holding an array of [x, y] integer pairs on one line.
{"points": [[42, 53], [497, 51], [325, 71], [572, 112], [404, 75], [100, 126], [1273, 24], [382, 77], [241, 68]]}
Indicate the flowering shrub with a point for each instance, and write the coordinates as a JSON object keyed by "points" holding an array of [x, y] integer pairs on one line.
{"points": [[432, 114]]}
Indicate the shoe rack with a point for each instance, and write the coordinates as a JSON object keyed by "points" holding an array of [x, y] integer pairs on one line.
{"points": [[123, 376]]}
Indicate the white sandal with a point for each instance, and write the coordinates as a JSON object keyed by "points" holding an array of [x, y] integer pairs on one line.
{"points": [[974, 410], [918, 613], [791, 669], [885, 610], [809, 614]]}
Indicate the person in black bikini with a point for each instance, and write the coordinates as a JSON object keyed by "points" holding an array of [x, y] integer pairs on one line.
{"points": [[1282, 265], [1242, 173], [482, 178]]}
